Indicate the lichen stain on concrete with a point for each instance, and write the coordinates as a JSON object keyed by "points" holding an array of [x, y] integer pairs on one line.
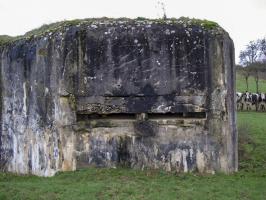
{"points": [[142, 94]]}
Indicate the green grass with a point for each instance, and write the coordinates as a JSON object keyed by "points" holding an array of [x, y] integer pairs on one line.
{"points": [[253, 123], [241, 84], [92, 183]]}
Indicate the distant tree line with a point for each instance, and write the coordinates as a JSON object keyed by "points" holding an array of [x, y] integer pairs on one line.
{"points": [[253, 62]]}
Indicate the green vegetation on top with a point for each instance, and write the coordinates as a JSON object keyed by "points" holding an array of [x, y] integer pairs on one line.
{"points": [[206, 24], [58, 26], [121, 183], [5, 39]]}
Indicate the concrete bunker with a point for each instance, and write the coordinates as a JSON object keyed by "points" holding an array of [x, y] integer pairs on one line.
{"points": [[138, 93]]}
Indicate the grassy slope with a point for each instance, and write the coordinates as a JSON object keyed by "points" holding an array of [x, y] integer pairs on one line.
{"points": [[253, 123], [249, 183], [241, 84]]}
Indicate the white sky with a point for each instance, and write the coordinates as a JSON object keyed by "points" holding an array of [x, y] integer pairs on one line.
{"points": [[245, 20]]}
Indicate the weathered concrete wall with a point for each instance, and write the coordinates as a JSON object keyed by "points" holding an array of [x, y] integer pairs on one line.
{"points": [[142, 94]]}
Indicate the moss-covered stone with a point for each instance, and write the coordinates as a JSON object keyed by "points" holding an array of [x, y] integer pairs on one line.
{"points": [[49, 29]]}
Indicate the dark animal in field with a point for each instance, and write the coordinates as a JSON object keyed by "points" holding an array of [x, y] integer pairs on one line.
{"points": [[262, 102], [247, 101], [239, 101], [247, 98], [255, 100]]}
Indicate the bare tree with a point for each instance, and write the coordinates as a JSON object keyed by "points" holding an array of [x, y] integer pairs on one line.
{"points": [[256, 77], [250, 54], [248, 58], [243, 58], [245, 72], [262, 47], [255, 70]]}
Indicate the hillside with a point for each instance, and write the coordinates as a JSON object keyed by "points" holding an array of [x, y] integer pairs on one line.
{"points": [[241, 84]]}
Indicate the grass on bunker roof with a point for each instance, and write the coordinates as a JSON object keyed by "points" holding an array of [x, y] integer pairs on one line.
{"points": [[122, 183], [61, 25]]}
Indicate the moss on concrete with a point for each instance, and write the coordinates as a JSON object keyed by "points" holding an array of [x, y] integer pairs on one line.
{"points": [[49, 29], [5, 39], [72, 102], [206, 24]]}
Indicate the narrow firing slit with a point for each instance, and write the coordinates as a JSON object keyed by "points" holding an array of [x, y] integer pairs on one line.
{"points": [[121, 116], [134, 116], [195, 115]]}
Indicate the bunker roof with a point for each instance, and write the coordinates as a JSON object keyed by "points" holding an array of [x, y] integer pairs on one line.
{"points": [[62, 26]]}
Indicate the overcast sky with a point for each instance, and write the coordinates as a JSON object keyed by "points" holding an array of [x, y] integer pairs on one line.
{"points": [[245, 20]]}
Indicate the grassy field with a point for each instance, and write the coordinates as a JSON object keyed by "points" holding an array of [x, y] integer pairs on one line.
{"points": [[248, 183], [241, 84]]}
